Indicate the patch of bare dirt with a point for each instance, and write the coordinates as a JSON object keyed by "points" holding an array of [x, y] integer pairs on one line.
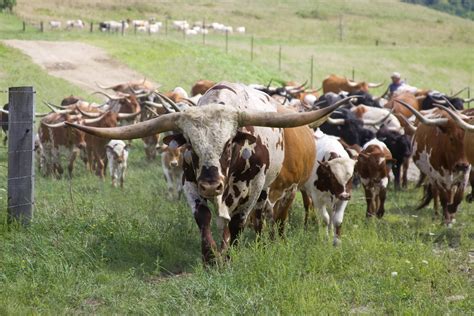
{"points": [[81, 64]]}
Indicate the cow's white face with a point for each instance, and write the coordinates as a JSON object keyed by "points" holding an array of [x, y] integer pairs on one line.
{"points": [[209, 129]]}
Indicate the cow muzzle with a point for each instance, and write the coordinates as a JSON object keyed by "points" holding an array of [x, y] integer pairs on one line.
{"points": [[344, 196], [210, 189], [174, 163], [461, 167]]}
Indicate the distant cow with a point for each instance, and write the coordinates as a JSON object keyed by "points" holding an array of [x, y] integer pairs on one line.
{"points": [[55, 24], [172, 163], [117, 155], [336, 84], [201, 87], [330, 184], [373, 166], [71, 24]]}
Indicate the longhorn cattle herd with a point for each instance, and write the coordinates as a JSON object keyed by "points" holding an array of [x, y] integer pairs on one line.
{"points": [[247, 150]]}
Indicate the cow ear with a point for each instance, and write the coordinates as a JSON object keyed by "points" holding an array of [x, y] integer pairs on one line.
{"points": [[161, 149], [364, 155], [178, 138], [240, 138]]}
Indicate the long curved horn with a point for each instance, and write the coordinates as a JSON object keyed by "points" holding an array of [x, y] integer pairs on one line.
{"points": [[4, 111], [156, 105], [424, 120], [468, 100], [89, 114], [336, 121], [299, 88], [36, 114], [375, 85], [94, 120], [162, 97], [157, 125], [56, 125], [351, 83], [109, 96], [152, 110], [458, 119], [378, 122], [104, 87], [127, 116], [189, 101], [64, 111], [287, 120], [410, 129]]}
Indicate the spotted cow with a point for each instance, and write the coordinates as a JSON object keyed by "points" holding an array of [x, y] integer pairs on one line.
{"points": [[330, 184], [373, 166]]}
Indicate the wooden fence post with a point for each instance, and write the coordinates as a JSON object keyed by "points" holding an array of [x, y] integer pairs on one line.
{"points": [[353, 73], [311, 74], [24, 26], [166, 27], [279, 59], [92, 27], [41, 27], [123, 27], [203, 31], [21, 154]]}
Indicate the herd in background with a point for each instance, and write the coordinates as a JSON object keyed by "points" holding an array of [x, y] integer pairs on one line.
{"points": [[152, 26], [216, 147]]}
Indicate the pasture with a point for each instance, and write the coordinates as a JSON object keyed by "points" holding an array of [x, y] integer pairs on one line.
{"points": [[95, 249]]}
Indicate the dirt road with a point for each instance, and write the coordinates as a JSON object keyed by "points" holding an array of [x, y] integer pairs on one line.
{"points": [[79, 63]]}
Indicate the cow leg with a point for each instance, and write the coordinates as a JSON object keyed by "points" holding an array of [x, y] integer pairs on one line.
{"points": [[202, 215], [236, 226], [282, 210], [261, 208], [169, 181], [421, 179], [307, 205], [336, 219], [436, 199], [370, 200], [406, 164], [72, 158], [381, 202], [470, 196], [396, 174], [223, 227]]}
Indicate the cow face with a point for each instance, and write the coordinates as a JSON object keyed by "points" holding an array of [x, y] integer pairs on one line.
{"points": [[337, 177], [211, 135]]}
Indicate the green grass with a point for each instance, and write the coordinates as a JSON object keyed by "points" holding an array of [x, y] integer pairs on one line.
{"points": [[95, 249]]}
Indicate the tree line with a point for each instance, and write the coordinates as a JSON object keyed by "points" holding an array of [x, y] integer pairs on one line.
{"points": [[462, 8]]}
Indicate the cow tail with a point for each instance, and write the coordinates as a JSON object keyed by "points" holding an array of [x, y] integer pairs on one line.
{"points": [[427, 196]]}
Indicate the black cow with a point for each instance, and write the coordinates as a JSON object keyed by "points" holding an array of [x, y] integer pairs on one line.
{"points": [[440, 98], [364, 98], [4, 123], [347, 126], [328, 99], [401, 149]]}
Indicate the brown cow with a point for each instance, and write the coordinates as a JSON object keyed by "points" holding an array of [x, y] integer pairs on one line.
{"points": [[439, 153], [373, 166], [131, 87], [465, 120], [336, 84], [172, 163], [56, 137], [201, 87]]}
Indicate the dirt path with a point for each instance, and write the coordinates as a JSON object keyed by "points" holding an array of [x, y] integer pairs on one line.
{"points": [[79, 63]]}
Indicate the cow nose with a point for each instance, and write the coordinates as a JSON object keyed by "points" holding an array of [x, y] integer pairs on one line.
{"points": [[345, 196], [211, 189], [174, 163], [81, 145], [462, 167]]}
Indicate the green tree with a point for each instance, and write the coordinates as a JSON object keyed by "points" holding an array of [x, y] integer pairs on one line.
{"points": [[7, 4]]}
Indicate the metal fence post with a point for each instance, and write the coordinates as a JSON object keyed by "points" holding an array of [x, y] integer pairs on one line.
{"points": [[21, 154], [251, 49], [24, 26], [279, 58], [123, 27], [226, 41], [92, 27], [41, 27], [311, 74]]}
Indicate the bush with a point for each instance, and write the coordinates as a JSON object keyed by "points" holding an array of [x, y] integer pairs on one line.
{"points": [[7, 5]]}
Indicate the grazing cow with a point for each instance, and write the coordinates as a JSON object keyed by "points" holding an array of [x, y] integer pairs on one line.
{"points": [[71, 24], [330, 184], [344, 124], [231, 155], [400, 147], [439, 152], [55, 24], [201, 87], [117, 155], [336, 84], [56, 137], [172, 163], [465, 120], [373, 166], [240, 29]]}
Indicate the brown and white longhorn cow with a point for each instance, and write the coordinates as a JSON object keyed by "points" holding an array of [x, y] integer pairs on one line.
{"points": [[439, 153], [336, 84], [235, 148]]}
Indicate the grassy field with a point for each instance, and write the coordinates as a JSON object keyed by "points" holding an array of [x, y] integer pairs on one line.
{"points": [[93, 249]]}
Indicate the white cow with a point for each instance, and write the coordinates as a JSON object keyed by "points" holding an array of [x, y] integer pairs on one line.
{"points": [[55, 24], [117, 155], [78, 24], [330, 184]]}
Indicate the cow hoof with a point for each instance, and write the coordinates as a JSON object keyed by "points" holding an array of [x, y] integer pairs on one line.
{"points": [[449, 225], [336, 242]]}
